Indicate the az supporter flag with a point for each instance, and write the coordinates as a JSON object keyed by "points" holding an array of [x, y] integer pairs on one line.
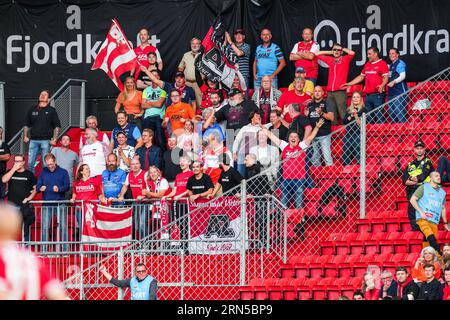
{"points": [[116, 55], [104, 225], [216, 61]]}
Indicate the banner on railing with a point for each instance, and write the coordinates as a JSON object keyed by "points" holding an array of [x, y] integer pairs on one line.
{"points": [[104, 225], [215, 227]]}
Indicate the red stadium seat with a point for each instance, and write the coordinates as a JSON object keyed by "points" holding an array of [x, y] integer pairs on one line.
{"points": [[290, 292], [316, 268], [345, 269], [320, 289], [276, 291], [304, 292], [330, 268]]}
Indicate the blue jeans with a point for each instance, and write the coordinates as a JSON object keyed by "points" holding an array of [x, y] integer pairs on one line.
{"points": [[154, 123], [322, 144], [292, 188], [257, 83], [47, 213], [35, 146], [373, 101], [397, 108]]}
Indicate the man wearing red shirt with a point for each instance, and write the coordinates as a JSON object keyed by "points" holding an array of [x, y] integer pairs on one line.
{"points": [[304, 56], [294, 165], [338, 66], [180, 208], [142, 52], [295, 96], [136, 181], [375, 75], [138, 185]]}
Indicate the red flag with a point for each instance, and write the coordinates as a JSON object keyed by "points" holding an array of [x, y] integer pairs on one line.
{"points": [[104, 225], [116, 55]]}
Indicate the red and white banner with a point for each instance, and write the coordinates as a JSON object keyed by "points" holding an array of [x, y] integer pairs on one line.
{"points": [[116, 56], [215, 227], [105, 225]]}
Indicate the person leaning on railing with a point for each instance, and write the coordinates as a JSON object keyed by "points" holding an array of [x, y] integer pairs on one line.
{"points": [[143, 286]]}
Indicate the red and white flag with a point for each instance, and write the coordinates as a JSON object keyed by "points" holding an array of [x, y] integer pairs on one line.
{"points": [[116, 56], [105, 225]]}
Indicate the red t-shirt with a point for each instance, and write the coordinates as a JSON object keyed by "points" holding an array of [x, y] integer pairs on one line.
{"points": [[181, 180], [311, 67], [337, 70], [374, 72], [136, 183], [141, 56], [88, 190], [291, 97], [294, 166]]}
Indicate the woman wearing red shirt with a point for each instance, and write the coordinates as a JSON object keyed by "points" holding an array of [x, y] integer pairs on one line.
{"points": [[86, 188]]}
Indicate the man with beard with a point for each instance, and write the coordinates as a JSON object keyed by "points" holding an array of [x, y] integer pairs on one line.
{"points": [[113, 178], [266, 98], [237, 111], [415, 174]]}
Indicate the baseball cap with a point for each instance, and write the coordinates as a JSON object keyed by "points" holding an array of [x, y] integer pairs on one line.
{"points": [[233, 92], [419, 143], [121, 132], [241, 31], [179, 74], [300, 70]]}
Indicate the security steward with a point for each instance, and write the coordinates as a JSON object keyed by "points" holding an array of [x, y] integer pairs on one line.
{"points": [[143, 286], [415, 174]]}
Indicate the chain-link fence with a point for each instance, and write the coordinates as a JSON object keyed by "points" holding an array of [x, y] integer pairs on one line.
{"points": [[210, 249]]}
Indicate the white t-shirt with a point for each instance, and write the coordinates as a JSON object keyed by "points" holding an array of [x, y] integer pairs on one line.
{"points": [[314, 48], [129, 154], [94, 155]]}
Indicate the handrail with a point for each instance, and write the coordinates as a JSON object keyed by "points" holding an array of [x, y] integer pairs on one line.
{"points": [[63, 86]]}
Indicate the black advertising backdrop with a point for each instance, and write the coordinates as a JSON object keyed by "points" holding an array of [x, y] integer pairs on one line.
{"points": [[42, 43]]}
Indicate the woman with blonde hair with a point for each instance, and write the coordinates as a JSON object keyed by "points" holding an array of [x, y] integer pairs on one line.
{"points": [[130, 100], [351, 141], [427, 256]]}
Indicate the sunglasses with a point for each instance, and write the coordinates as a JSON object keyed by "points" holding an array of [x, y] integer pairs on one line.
{"points": [[140, 271], [337, 49]]}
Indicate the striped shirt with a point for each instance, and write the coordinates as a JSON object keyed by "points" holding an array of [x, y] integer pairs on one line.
{"points": [[244, 61]]}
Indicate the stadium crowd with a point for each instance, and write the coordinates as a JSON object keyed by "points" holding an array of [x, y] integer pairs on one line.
{"points": [[194, 139]]}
